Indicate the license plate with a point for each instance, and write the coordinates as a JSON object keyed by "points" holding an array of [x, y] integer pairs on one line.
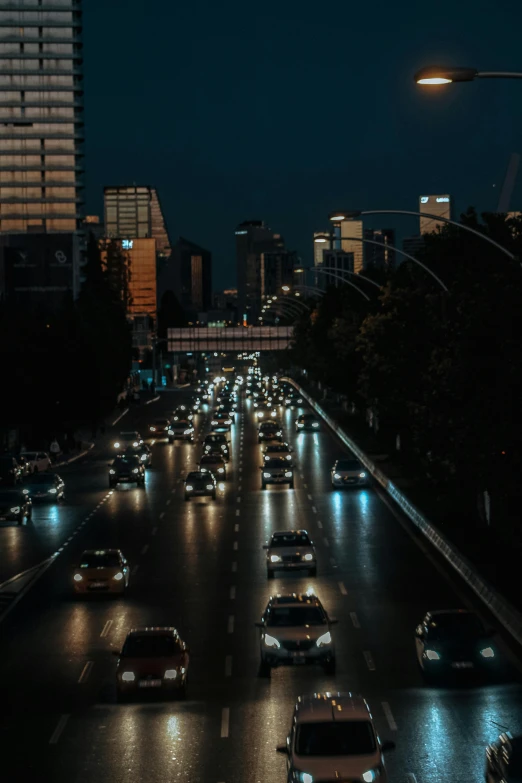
{"points": [[39, 494], [350, 480], [97, 584], [150, 683], [3, 519], [462, 665]]}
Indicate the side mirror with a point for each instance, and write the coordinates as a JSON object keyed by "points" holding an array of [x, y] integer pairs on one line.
{"points": [[333, 620], [282, 749], [387, 745]]}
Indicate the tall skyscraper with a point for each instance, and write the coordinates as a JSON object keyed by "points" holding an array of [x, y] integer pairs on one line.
{"points": [[41, 116], [353, 228], [337, 262], [188, 274], [375, 255], [134, 212], [277, 270], [253, 237], [434, 205]]}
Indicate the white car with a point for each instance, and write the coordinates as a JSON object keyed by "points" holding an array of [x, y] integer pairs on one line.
{"points": [[290, 550], [349, 472], [333, 737], [38, 460]]}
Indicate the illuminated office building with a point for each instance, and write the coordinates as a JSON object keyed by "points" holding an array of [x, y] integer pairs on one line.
{"points": [[353, 228], [253, 238], [434, 205], [134, 212]]}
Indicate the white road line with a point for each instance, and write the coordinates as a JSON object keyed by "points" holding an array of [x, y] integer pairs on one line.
{"points": [[326, 542], [314, 509], [389, 717], [106, 629], [319, 524], [239, 488], [225, 721], [228, 666], [232, 593], [135, 569], [119, 417], [55, 736], [154, 531], [239, 500], [305, 486], [238, 513], [369, 660], [309, 497], [173, 490], [235, 547], [162, 515], [230, 626], [342, 588], [355, 620], [236, 528], [234, 567], [145, 549], [168, 502], [86, 671]]}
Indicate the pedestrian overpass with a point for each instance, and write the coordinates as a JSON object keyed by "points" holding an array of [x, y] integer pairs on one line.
{"points": [[236, 338]]}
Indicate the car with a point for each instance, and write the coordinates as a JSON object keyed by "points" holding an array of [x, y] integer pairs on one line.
{"points": [[215, 464], [229, 409], [14, 506], [200, 483], [152, 659], [504, 759], [454, 641], [276, 470], [196, 405], [101, 571], [221, 422], [296, 630], [290, 550], [143, 453], [348, 472], [126, 439], [307, 422], [38, 460], [181, 429], [270, 430], [216, 442], [126, 470], [183, 412], [44, 487], [281, 449], [160, 428], [10, 471], [333, 738], [260, 401], [293, 400], [265, 412]]}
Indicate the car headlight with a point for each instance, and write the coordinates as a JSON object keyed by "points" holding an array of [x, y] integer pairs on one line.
{"points": [[266, 475], [116, 445], [288, 456], [143, 457], [228, 421], [371, 774], [299, 399], [213, 422], [78, 577], [135, 470], [270, 641], [362, 475], [279, 433], [128, 676], [152, 429], [118, 577], [315, 424], [431, 655], [15, 510], [275, 558], [255, 405], [288, 474], [136, 444], [337, 476], [488, 652], [25, 491], [171, 432], [300, 424], [189, 487], [112, 471], [223, 447], [273, 413], [221, 470], [305, 777], [53, 491], [261, 435], [210, 486], [170, 674], [308, 556], [324, 640], [188, 432]]}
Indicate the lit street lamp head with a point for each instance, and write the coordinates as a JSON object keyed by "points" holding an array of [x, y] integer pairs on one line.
{"points": [[338, 217], [441, 74], [321, 238], [285, 288]]}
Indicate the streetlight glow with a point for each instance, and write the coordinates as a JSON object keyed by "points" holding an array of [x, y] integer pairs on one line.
{"points": [[445, 74], [285, 288], [320, 240], [434, 80]]}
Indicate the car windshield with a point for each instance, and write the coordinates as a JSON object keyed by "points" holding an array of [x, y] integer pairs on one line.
{"points": [[40, 478], [275, 462], [195, 476], [11, 497], [211, 460], [455, 624], [268, 426], [284, 616], [342, 738], [348, 464], [215, 439], [129, 436], [126, 462], [276, 449], [182, 423], [307, 417], [100, 560], [161, 421], [290, 539], [151, 647]]}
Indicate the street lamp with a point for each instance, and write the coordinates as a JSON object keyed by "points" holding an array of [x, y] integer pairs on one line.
{"points": [[444, 74], [339, 217]]}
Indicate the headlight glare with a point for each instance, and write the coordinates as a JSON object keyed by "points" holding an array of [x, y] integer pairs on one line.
{"points": [[135, 470], [275, 558], [189, 487], [210, 486], [78, 577], [431, 655], [53, 491], [118, 577], [270, 641], [170, 674], [362, 475], [325, 639], [371, 774], [288, 474], [112, 471], [487, 652], [15, 510], [337, 476], [308, 557], [266, 475], [116, 445], [128, 676]]}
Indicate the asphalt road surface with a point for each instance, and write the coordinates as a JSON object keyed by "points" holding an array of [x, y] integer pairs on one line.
{"points": [[199, 566]]}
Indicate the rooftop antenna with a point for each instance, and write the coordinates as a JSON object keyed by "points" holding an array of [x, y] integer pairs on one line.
{"points": [[509, 183]]}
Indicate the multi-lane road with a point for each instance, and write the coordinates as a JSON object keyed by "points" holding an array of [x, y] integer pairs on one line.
{"points": [[200, 567]]}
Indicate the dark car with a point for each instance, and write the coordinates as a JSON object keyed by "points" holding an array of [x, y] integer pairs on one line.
{"points": [[10, 471], [454, 641], [153, 659], [215, 464], [143, 453], [14, 506], [229, 409], [307, 422], [216, 442], [44, 487], [270, 431], [221, 422], [504, 759], [276, 470], [200, 483], [160, 428], [293, 400], [127, 470]]}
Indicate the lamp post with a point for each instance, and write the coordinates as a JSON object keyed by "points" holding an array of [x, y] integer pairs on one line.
{"points": [[338, 277], [447, 74], [339, 217]]}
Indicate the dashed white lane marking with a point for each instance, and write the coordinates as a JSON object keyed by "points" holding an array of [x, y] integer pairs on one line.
{"points": [[154, 531], [225, 722], [369, 660], [233, 593], [230, 625], [162, 515], [235, 546], [319, 524], [228, 666], [309, 497], [173, 490], [145, 549], [355, 620], [326, 542], [238, 512], [333, 562], [135, 569], [314, 509], [239, 500], [86, 671], [305, 486], [106, 628], [239, 488], [342, 588], [168, 502], [234, 567], [389, 716], [55, 736], [240, 470], [236, 528]]}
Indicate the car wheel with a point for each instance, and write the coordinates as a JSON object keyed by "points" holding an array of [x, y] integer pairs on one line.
{"points": [[35, 469], [263, 486], [269, 574], [20, 520], [313, 572], [291, 485], [182, 693], [330, 666], [213, 496], [187, 497], [122, 698], [264, 669]]}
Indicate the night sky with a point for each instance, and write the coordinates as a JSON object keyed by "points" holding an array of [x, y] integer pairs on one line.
{"points": [[286, 110]]}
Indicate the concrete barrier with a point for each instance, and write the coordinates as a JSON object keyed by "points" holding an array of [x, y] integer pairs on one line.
{"points": [[507, 615]]}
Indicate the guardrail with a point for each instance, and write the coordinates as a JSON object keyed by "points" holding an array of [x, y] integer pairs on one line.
{"points": [[499, 606]]}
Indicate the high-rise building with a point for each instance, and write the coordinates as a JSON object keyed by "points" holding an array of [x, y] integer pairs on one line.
{"points": [[353, 228], [336, 262], [414, 246], [434, 205], [376, 255], [134, 212], [253, 237], [41, 116], [277, 270], [189, 274]]}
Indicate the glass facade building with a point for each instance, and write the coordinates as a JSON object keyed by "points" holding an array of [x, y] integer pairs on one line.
{"points": [[134, 212], [41, 116], [435, 205]]}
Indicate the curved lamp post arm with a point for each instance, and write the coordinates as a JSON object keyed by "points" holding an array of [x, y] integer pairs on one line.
{"points": [[293, 303], [290, 307], [346, 271], [276, 309], [498, 75], [309, 288], [344, 280]]}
